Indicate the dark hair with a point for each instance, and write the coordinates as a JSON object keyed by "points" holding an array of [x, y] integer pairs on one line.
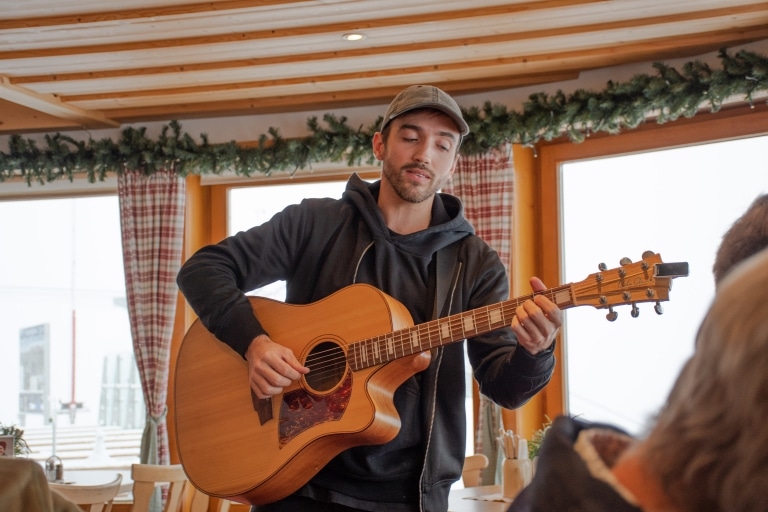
{"points": [[746, 236]]}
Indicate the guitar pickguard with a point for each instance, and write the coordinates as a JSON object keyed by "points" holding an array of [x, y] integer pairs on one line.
{"points": [[300, 409]]}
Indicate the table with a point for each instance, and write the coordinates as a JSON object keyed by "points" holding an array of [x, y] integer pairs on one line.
{"points": [[458, 502]]}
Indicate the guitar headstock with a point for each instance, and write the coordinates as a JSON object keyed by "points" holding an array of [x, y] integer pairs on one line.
{"points": [[647, 280]]}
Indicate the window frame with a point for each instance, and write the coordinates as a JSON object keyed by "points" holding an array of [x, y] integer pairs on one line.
{"points": [[732, 123]]}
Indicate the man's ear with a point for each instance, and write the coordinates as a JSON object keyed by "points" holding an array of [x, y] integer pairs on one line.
{"points": [[455, 164], [378, 146]]}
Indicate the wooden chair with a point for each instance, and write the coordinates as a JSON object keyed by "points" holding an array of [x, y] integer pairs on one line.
{"points": [[473, 467], [91, 498], [148, 476], [198, 501]]}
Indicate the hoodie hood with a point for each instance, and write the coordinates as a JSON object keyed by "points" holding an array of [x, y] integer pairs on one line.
{"points": [[448, 223]]}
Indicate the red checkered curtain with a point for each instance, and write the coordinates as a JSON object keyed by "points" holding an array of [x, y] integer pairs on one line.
{"points": [[152, 222], [485, 185]]}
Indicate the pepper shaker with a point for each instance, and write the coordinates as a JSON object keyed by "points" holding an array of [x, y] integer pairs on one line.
{"points": [[54, 469]]}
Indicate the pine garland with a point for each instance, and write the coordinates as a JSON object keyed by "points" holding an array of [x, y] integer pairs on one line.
{"points": [[666, 95]]}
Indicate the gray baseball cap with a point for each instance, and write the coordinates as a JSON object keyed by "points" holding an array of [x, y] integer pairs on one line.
{"points": [[425, 96]]}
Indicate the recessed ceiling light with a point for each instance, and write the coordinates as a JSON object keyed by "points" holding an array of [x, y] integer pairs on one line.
{"points": [[353, 37]]}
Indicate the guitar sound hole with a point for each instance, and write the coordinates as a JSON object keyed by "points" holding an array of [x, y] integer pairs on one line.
{"points": [[327, 365]]}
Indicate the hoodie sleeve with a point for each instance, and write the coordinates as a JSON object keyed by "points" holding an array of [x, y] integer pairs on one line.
{"points": [[506, 373], [215, 279]]}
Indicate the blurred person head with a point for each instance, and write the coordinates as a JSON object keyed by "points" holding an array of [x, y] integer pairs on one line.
{"points": [[708, 445], [746, 236]]}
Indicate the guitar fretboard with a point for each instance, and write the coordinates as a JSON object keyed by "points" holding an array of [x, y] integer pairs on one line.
{"points": [[412, 340]]}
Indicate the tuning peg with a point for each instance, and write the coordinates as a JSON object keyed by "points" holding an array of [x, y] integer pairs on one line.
{"points": [[648, 254], [625, 261], [602, 267], [658, 309], [635, 311], [612, 315]]}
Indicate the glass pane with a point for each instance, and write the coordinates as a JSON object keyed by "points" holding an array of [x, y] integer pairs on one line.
{"points": [[678, 203], [251, 206], [67, 345]]}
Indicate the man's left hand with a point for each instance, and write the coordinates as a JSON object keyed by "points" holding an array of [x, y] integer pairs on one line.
{"points": [[537, 320]]}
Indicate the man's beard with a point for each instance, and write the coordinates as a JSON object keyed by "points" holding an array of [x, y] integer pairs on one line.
{"points": [[405, 189]]}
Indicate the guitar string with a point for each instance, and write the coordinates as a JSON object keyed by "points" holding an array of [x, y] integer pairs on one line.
{"points": [[371, 349], [384, 348], [431, 334], [426, 334]]}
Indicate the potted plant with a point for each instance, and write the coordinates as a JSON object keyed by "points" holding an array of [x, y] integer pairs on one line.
{"points": [[535, 443], [20, 446]]}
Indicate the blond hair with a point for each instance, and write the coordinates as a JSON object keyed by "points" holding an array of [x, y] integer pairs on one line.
{"points": [[709, 445]]}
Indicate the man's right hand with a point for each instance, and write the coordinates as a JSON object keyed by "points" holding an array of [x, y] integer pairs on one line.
{"points": [[271, 367]]}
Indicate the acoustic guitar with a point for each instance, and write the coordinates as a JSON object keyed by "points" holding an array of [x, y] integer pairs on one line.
{"points": [[358, 344]]}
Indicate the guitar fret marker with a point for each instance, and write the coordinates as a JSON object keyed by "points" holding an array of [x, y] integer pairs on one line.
{"points": [[562, 297], [445, 331], [415, 342], [469, 324], [496, 316]]}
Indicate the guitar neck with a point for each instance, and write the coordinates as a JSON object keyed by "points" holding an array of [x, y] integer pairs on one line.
{"points": [[648, 280], [436, 333]]}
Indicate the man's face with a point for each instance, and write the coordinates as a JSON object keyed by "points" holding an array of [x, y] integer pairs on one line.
{"points": [[419, 155]]}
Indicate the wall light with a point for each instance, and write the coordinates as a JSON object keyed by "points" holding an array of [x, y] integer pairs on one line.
{"points": [[353, 37]]}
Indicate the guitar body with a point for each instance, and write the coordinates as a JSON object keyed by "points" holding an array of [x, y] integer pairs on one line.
{"points": [[230, 451]]}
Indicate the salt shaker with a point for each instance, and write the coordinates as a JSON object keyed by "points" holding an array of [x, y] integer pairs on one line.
{"points": [[54, 469]]}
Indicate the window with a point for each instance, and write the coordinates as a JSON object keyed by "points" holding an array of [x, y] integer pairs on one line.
{"points": [[67, 346], [677, 202]]}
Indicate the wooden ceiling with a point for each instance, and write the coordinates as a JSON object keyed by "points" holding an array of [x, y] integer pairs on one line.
{"points": [[90, 63]]}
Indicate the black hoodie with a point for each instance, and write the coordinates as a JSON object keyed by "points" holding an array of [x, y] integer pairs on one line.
{"points": [[323, 245]]}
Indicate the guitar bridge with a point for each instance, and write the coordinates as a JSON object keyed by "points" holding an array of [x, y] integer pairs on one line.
{"points": [[263, 406]]}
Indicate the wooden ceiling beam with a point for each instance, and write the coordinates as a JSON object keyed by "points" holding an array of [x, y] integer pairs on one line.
{"points": [[318, 101], [379, 50], [53, 106], [120, 13], [155, 13], [240, 36], [569, 63], [463, 68]]}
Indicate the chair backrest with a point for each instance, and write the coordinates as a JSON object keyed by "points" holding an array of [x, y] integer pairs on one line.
{"points": [[92, 498], [147, 476], [473, 467]]}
